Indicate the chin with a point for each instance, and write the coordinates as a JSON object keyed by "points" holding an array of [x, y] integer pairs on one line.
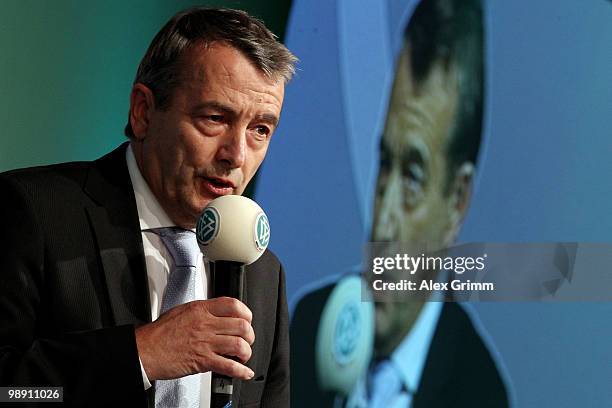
{"points": [[197, 211], [190, 212]]}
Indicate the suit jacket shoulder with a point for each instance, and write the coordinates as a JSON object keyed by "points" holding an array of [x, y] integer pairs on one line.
{"points": [[59, 323], [459, 370]]}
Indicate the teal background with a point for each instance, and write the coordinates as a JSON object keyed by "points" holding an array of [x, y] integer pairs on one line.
{"points": [[66, 70]]}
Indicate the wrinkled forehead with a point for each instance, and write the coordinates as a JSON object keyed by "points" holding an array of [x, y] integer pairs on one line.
{"points": [[421, 112], [198, 62], [221, 67]]}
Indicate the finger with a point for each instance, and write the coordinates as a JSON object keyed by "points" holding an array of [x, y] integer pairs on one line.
{"points": [[233, 326], [231, 368], [229, 307], [232, 346]]}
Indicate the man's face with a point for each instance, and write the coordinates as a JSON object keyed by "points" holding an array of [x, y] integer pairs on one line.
{"points": [[412, 206], [214, 134]]}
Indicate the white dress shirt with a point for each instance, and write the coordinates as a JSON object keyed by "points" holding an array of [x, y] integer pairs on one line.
{"points": [[158, 260], [409, 357]]}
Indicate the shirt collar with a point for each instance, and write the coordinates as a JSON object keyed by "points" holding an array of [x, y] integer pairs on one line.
{"points": [[150, 212], [409, 357]]}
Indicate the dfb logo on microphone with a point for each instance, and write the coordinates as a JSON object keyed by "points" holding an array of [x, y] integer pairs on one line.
{"points": [[208, 226], [262, 231], [346, 336]]}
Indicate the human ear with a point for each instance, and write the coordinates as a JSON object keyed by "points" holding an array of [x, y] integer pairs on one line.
{"points": [[459, 198], [142, 103]]}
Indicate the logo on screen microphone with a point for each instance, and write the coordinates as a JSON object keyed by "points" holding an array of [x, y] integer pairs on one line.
{"points": [[208, 226], [262, 232], [346, 336]]}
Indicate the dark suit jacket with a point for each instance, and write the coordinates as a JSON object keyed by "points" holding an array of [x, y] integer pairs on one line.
{"points": [[73, 287], [459, 370]]}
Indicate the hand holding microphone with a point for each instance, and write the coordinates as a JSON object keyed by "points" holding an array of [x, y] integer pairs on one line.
{"points": [[207, 335], [232, 232]]}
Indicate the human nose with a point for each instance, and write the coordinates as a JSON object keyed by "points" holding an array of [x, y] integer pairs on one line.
{"points": [[232, 151], [387, 218]]}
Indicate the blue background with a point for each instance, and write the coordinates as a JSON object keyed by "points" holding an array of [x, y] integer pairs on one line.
{"points": [[544, 170]]}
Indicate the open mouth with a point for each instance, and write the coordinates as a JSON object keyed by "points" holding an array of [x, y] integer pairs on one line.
{"points": [[218, 186], [221, 183]]}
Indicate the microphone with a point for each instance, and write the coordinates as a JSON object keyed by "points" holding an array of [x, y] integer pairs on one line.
{"points": [[233, 231], [345, 336]]}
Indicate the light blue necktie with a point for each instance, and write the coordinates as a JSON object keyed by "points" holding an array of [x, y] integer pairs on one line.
{"points": [[183, 247]]}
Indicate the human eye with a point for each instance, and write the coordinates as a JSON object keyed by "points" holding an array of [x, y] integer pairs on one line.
{"points": [[261, 132], [214, 117], [413, 177], [211, 122]]}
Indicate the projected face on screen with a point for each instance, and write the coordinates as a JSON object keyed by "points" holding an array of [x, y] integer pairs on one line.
{"points": [[416, 204], [412, 199], [427, 151]]}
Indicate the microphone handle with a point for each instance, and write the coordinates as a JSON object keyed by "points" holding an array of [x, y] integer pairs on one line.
{"points": [[227, 280]]}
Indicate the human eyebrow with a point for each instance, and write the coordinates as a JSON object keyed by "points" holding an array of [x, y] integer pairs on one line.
{"points": [[215, 105], [269, 118], [412, 154]]}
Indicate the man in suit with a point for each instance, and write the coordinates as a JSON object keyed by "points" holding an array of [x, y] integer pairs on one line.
{"points": [[425, 354], [86, 258]]}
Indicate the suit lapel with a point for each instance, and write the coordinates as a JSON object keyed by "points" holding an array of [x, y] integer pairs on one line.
{"points": [[115, 225]]}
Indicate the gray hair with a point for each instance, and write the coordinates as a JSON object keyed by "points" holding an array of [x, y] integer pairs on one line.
{"points": [[159, 69]]}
